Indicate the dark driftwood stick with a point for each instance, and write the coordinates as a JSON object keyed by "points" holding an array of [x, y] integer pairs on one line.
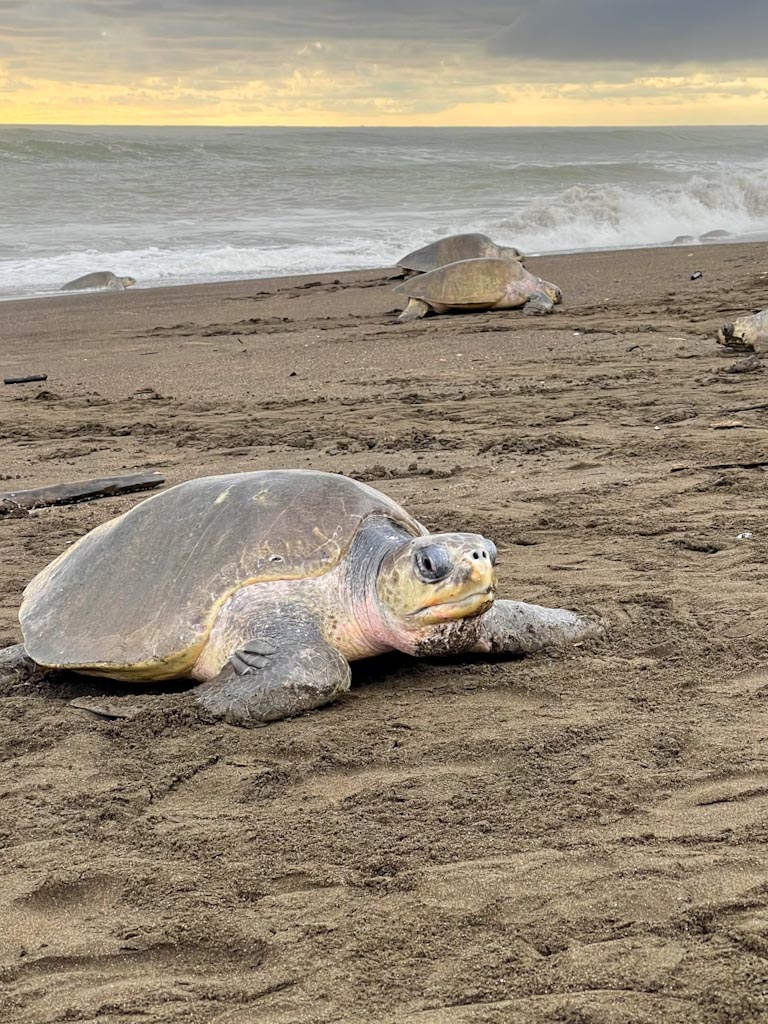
{"points": [[25, 380], [761, 464], [82, 490], [749, 408]]}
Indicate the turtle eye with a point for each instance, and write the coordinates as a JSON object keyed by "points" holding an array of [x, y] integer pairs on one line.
{"points": [[433, 563]]}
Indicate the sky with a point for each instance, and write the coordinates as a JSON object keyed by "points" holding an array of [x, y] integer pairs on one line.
{"points": [[384, 62]]}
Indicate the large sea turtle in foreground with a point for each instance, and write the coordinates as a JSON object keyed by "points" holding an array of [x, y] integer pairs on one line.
{"points": [[457, 247], [476, 285], [262, 587], [99, 279]]}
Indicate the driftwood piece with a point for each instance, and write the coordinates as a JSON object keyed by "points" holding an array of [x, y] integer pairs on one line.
{"points": [[25, 380], [758, 464], [81, 490], [749, 408]]}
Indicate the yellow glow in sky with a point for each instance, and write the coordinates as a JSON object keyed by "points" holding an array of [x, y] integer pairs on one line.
{"points": [[302, 98]]}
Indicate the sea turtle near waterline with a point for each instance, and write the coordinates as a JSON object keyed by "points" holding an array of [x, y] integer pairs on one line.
{"points": [[457, 247], [99, 279], [262, 587], [477, 285]]}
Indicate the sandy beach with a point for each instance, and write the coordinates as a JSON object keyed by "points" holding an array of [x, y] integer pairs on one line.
{"points": [[578, 836]]}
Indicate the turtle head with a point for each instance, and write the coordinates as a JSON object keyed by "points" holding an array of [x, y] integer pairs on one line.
{"points": [[436, 579], [550, 290], [509, 252], [127, 281], [725, 333]]}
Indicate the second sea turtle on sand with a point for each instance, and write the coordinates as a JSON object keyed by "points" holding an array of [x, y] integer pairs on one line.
{"points": [[262, 587], [457, 247], [748, 332], [99, 279], [477, 285]]}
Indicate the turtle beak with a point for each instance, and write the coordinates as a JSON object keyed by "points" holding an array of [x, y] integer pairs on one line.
{"points": [[471, 587], [480, 572]]}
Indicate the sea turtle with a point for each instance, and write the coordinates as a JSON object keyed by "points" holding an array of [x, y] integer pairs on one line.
{"points": [[477, 284], [99, 279], [457, 247], [746, 332], [262, 587]]}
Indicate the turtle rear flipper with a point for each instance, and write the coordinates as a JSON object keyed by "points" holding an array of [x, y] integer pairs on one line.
{"points": [[16, 667], [279, 677]]}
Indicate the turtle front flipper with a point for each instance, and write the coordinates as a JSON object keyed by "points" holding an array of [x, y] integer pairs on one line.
{"points": [[538, 305], [415, 310], [279, 677], [514, 627]]}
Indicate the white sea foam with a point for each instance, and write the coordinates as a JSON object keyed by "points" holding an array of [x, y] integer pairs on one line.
{"points": [[156, 266], [588, 217], [175, 206]]}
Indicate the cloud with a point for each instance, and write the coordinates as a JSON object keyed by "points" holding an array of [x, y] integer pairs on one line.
{"points": [[370, 59], [655, 32], [666, 32]]}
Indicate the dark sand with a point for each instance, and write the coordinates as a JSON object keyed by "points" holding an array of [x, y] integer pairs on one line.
{"points": [[577, 837]]}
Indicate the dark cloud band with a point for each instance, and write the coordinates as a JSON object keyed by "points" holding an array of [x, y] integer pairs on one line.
{"points": [[659, 33], [664, 32]]}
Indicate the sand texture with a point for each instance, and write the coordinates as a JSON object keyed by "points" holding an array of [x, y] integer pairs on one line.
{"points": [[576, 837]]}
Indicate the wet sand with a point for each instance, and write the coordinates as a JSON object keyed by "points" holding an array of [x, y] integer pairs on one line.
{"points": [[577, 836]]}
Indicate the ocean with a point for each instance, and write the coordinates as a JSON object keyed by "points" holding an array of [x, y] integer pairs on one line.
{"points": [[182, 205]]}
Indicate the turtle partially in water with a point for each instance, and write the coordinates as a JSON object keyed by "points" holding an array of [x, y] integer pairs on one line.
{"points": [[262, 587], [477, 285], [470, 246], [99, 279]]}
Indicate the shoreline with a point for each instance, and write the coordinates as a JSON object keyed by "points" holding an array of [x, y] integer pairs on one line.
{"points": [[565, 269], [559, 254]]}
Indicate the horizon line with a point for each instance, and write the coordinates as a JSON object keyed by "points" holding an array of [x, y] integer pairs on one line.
{"points": [[358, 127]]}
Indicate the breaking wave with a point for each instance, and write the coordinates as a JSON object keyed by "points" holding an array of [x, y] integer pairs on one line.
{"points": [[589, 217]]}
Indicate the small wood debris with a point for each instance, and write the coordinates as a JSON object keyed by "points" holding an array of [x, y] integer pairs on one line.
{"points": [[28, 379], [11, 502]]}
